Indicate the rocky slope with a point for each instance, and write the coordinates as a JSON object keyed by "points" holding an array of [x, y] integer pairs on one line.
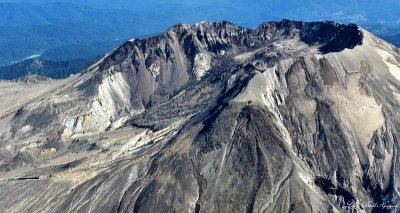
{"points": [[211, 117]]}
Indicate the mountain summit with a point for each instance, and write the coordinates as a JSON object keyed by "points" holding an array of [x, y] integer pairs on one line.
{"points": [[211, 117]]}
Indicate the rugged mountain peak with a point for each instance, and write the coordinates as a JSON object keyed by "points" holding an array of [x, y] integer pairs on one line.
{"points": [[193, 48], [220, 36], [212, 117], [144, 73]]}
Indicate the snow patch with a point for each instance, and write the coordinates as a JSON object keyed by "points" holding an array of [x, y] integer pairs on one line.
{"points": [[26, 128], [33, 56], [201, 65], [155, 69], [391, 63]]}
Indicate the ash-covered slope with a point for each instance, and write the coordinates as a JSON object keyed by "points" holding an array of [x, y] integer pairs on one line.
{"points": [[211, 117]]}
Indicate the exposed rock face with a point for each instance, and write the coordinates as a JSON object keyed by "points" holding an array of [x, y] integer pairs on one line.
{"points": [[211, 117]]}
